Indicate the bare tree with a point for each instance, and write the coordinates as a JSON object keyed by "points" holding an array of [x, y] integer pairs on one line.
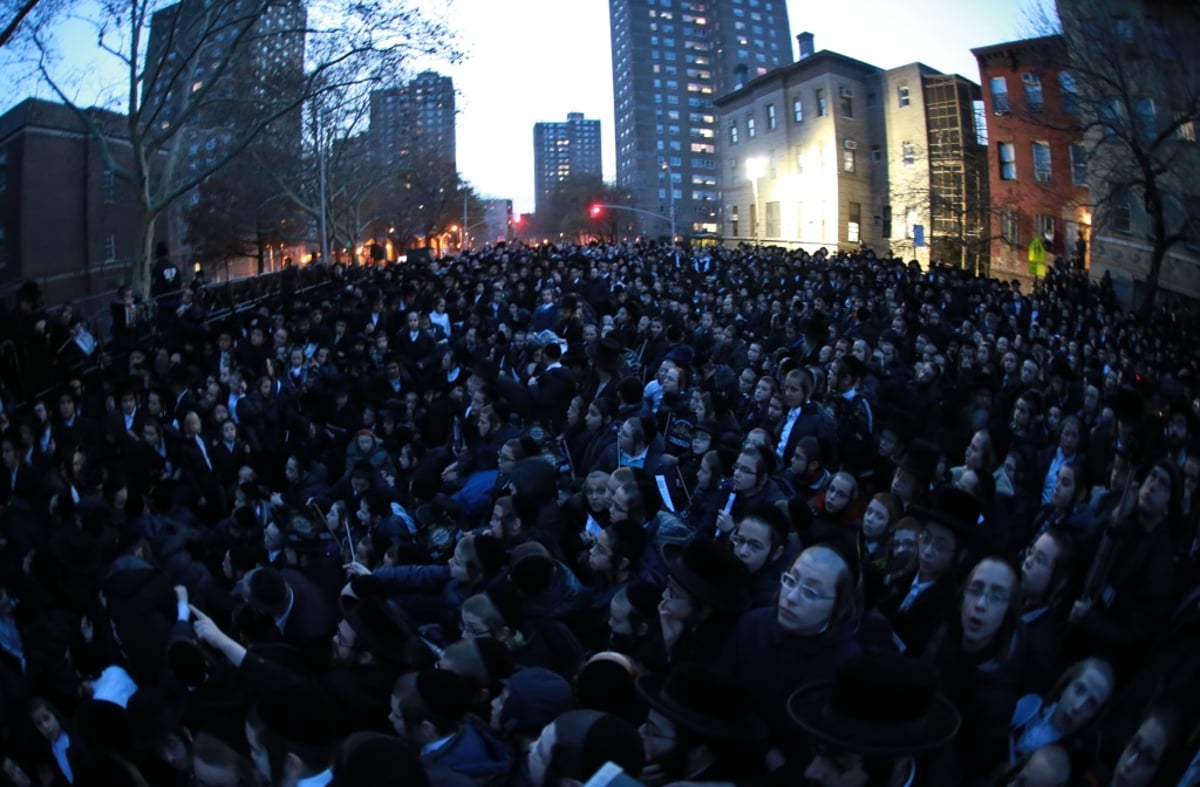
{"points": [[203, 79], [1135, 75]]}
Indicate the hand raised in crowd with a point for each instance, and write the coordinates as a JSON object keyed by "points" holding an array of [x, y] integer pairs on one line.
{"points": [[356, 569]]}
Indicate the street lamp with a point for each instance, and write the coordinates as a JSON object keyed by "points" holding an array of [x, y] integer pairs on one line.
{"points": [[671, 196], [756, 167]]}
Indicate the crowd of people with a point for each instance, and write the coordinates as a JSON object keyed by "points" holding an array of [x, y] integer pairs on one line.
{"points": [[533, 514]]}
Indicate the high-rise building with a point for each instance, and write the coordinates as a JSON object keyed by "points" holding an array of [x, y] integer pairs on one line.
{"points": [[415, 121], [671, 59], [220, 71], [561, 150], [1038, 177]]}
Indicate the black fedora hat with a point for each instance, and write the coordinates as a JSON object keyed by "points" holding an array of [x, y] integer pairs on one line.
{"points": [[606, 353], [384, 632], [709, 572], [883, 705], [920, 458], [954, 509], [702, 701]]}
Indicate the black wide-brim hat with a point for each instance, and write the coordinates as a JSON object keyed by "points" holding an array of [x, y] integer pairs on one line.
{"points": [[696, 698], [883, 705], [710, 573]]}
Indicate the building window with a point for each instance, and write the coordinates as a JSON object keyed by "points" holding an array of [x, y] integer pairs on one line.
{"points": [[1110, 117], [848, 161], [108, 189], [822, 109], [846, 97], [1145, 119], [876, 154], [854, 222], [887, 222], [902, 96], [1008, 161], [1069, 92], [1009, 226], [771, 217], [1191, 205], [999, 94], [771, 122], [1044, 224], [1078, 164], [909, 153], [733, 220], [1041, 162], [1185, 131], [110, 247], [750, 132], [733, 133], [1034, 101], [1120, 214], [797, 110], [1123, 29]]}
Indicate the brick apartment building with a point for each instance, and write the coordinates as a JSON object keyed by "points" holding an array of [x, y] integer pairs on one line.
{"points": [[66, 221], [1038, 161]]}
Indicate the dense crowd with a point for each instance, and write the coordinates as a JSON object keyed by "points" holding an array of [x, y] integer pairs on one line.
{"points": [[709, 515]]}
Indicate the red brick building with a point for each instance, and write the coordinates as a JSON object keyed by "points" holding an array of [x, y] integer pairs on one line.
{"points": [[1037, 167], [65, 221]]}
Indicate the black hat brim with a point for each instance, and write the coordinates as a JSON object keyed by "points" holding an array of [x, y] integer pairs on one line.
{"points": [[811, 709], [745, 728], [715, 596]]}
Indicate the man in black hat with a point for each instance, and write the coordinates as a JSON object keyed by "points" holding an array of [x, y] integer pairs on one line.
{"points": [[291, 735], [852, 414], [917, 607], [698, 728], [868, 724], [429, 709]]}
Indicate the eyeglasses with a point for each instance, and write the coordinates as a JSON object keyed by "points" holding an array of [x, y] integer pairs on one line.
{"points": [[651, 730], [940, 544], [754, 546], [790, 581], [745, 470], [471, 631], [976, 591]]}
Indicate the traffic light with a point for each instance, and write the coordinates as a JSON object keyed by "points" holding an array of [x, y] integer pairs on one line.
{"points": [[596, 210]]}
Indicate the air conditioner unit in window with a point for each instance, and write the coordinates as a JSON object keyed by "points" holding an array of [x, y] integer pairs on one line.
{"points": [[850, 145], [846, 92], [1030, 79]]}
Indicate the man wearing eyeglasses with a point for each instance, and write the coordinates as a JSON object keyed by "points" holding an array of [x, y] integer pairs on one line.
{"points": [[800, 639], [752, 487]]}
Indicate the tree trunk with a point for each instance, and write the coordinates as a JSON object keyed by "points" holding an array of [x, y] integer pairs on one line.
{"points": [[1158, 255], [143, 263]]}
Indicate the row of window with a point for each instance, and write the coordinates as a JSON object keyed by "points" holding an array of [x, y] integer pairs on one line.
{"points": [[1043, 168], [1035, 100]]}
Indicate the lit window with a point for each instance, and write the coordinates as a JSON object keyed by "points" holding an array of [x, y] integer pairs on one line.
{"points": [[902, 96], [822, 109], [797, 110]]}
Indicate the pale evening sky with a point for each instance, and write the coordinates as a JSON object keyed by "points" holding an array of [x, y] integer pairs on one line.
{"points": [[533, 60]]}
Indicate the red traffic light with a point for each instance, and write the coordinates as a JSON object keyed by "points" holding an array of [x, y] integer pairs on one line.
{"points": [[596, 211]]}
